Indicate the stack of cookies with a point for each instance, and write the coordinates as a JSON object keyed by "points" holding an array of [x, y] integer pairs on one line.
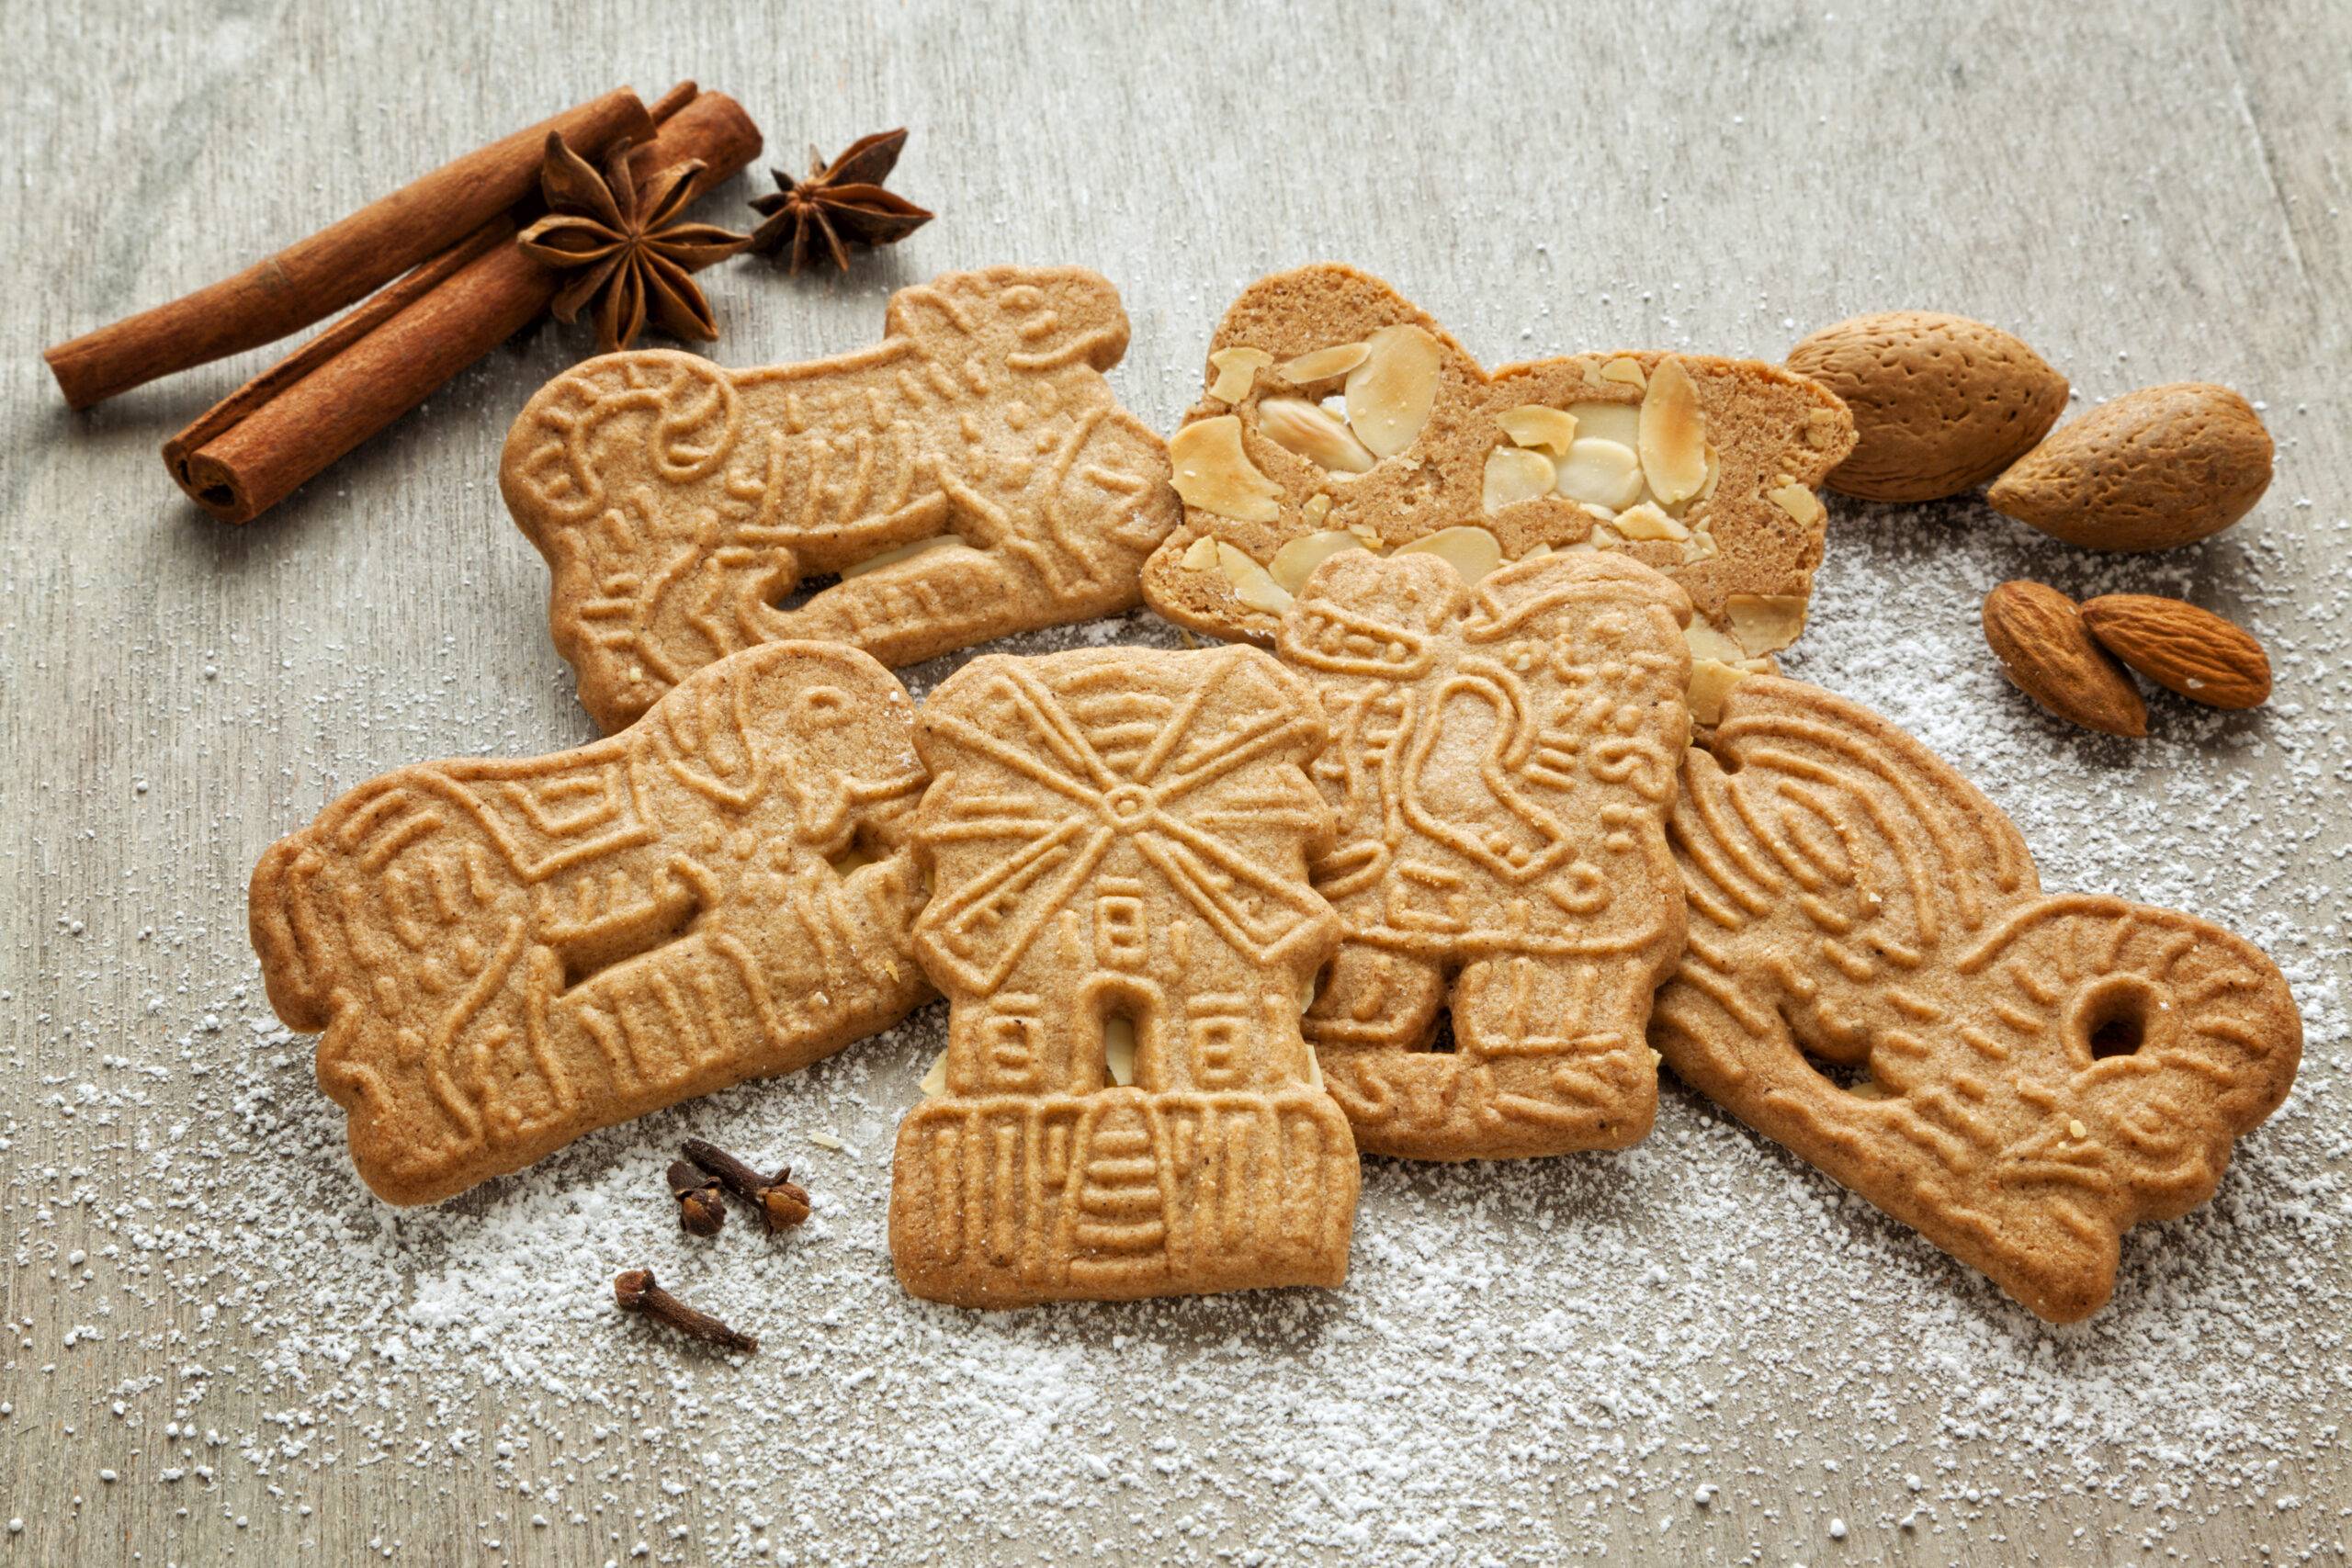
{"points": [[1490, 799]]}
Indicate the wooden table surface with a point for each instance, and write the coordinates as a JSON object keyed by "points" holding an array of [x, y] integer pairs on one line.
{"points": [[218, 1347]]}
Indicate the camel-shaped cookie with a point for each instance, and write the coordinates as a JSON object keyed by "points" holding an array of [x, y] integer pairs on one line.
{"points": [[970, 477], [1874, 979], [504, 956], [1117, 841], [1502, 761], [1340, 416]]}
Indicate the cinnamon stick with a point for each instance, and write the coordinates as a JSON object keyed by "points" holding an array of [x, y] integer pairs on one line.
{"points": [[252, 450], [312, 278]]}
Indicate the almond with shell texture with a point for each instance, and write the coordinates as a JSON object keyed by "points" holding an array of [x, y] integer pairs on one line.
{"points": [[2182, 648], [1940, 404], [2157, 467], [2039, 637]]}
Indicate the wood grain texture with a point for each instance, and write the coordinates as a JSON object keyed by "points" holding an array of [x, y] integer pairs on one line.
{"points": [[2146, 192]]}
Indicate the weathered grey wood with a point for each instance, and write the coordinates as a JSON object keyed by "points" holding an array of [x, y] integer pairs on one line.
{"points": [[2146, 191]]}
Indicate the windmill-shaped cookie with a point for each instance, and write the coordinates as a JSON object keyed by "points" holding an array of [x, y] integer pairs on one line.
{"points": [[1118, 843], [504, 956], [970, 477], [1874, 979], [1502, 759], [1340, 416]]}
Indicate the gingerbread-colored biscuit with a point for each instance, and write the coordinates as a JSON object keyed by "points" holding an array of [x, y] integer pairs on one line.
{"points": [[1874, 979], [1699, 467], [1502, 761], [504, 956], [1118, 843], [970, 477]]}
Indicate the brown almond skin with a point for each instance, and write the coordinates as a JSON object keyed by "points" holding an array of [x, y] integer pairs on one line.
{"points": [[2039, 638], [1940, 404], [2161, 467], [2182, 648]]}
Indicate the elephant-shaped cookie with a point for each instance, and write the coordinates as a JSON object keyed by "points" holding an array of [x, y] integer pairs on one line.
{"points": [[505, 954]]}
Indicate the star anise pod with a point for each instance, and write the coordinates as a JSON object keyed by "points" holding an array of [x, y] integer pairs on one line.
{"points": [[840, 204], [626, 243]]}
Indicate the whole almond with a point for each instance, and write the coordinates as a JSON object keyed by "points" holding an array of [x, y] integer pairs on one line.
{"points": [[2039, 637], [2157, 467], [2182, 648], [1940, 404]]}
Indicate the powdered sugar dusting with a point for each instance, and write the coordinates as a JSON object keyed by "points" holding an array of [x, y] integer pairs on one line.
{"points": [[1697, 1347]]}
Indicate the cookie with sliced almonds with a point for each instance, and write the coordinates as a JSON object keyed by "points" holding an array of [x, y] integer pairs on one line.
{"points": [[1340, 416]]}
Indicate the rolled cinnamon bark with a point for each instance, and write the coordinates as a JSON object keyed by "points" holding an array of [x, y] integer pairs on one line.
{"points": [[250, 451], [312, 278]]}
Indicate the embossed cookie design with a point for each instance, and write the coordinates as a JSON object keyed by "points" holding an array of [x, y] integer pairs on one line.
{"points": [[1874, 979], [1502, 761], [1118, 843], [504, 956], [1340, 416], [970, 477]]}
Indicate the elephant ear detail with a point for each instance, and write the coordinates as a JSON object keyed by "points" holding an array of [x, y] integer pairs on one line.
{"points": [[1874, 979]]}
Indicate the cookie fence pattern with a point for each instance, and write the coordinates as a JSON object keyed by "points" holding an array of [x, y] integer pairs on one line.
{"points": [[1111, 834], [680, 506]]}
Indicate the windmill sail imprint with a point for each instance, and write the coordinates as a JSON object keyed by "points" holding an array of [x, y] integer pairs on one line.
{"points": [[1121, 834], [1874, 979]]}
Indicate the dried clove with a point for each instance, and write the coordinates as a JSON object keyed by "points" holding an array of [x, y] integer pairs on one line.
{"points": [[637, 1292], [700, 1211], [782, 1201]]}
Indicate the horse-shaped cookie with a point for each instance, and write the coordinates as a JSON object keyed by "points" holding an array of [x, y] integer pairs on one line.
{"points": [[970, 477], [1874, 979], [1502, 761], [1340, 416], [1117, 842], [504, 956]]}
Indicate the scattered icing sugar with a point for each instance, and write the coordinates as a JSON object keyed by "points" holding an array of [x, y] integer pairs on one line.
{"points": [[1695, 1348]]}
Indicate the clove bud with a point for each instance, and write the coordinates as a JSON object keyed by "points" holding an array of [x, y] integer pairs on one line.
{"points": [[700, 1211], [635, 1290], [782, 1201]]}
